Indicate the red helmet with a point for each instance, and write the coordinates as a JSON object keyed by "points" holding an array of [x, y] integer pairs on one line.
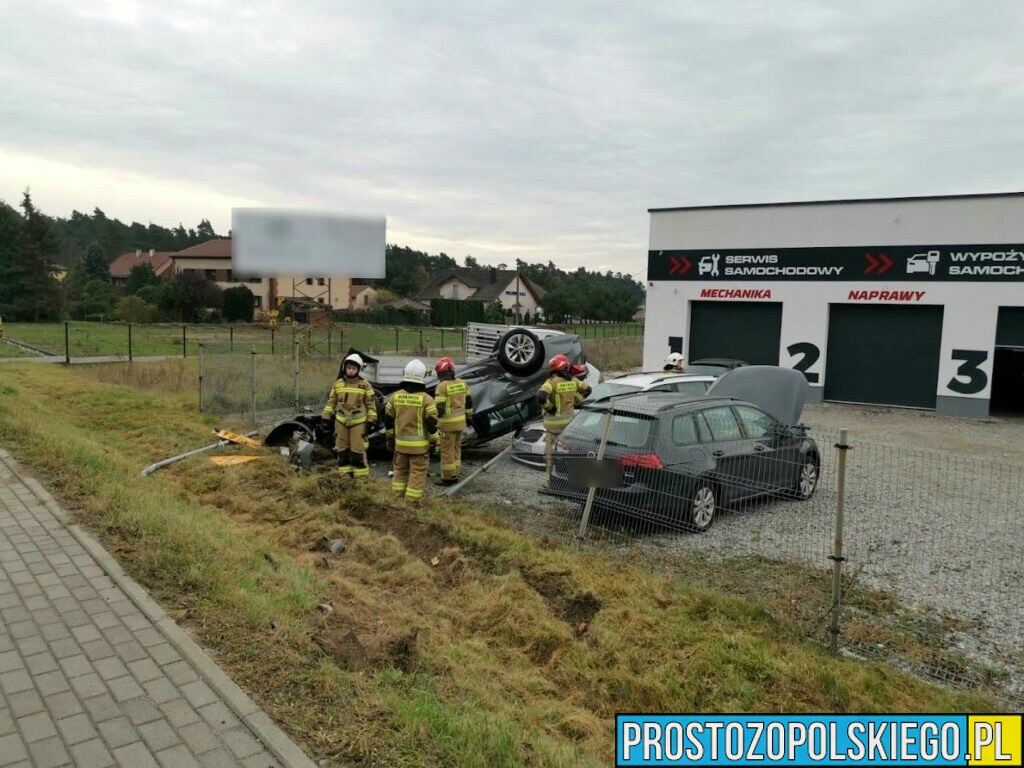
{"points": [[444, 364], [578, 369], [558, 363]]}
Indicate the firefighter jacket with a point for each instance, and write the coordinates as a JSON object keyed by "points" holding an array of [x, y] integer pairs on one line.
{"points": [[351, 402], [454, 404], [558, 398], [410, 420]]}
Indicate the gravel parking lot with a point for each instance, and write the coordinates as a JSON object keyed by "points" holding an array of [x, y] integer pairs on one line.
{"points": [[934, 514]]}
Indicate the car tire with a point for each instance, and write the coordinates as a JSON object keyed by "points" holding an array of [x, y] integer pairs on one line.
{"points": [[703, 506], [520, 352], [807, 478]]}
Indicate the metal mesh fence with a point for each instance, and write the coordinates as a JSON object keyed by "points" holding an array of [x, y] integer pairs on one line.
{"points": [[933, 542]]}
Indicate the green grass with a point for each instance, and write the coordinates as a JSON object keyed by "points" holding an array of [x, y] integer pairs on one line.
{"points": [[9, 350], [476, 661], [88, 339]]}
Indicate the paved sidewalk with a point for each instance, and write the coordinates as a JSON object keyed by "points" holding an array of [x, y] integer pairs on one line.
{"points": [[92, 673]]}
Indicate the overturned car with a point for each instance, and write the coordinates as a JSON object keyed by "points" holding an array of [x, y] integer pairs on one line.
{"points": [[503, 386]]}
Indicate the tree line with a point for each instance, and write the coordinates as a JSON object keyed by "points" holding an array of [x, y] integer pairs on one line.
{"points": [[36, 249]]}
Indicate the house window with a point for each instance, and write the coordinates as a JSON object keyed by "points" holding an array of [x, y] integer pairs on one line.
{"points": [[321, 281], [309, 281], [211, 274], [455, 291], [230, 277], [257, 301], [321, 299]]}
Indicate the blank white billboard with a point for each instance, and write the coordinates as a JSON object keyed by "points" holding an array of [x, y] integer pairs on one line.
{"points": [[275, 241]]}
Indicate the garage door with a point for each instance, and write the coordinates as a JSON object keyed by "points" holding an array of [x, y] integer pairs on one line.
{"points": [[1010, 330], [743, 330], [884, 355]]}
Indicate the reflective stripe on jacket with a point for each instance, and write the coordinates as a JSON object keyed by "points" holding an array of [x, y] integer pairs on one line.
{"points": [[351, 402], [454, 404], [411, 420], [559, 397]]}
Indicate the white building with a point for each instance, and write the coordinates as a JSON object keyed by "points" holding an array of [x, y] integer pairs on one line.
{"points": [[915, 302], [513, 289]]}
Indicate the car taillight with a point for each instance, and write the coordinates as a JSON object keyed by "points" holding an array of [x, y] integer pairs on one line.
{"points": [[641, 460]]}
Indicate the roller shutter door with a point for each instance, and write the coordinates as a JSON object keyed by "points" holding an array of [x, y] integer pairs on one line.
{"points": [[1010, 330], [742, 330], [884, 355]]}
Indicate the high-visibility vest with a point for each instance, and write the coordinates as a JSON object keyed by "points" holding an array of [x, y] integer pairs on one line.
{"points": [[410, 412], [450, 397], [351, 402], [563, 395]]}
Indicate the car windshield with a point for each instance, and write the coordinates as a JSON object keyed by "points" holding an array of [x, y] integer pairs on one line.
{"points": [[627, 431], [610, 389], [707, 370]]}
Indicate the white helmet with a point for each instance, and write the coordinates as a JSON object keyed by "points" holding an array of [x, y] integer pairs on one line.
{"points": [[674, 359], [415, 370], [354, 358]]}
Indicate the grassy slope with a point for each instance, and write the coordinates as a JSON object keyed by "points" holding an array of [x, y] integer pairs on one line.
{"points": [[475, 661]]}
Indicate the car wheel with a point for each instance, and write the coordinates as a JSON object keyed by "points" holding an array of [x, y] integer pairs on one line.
{"points": [[703, 507], [520, 352], [807, 479]]}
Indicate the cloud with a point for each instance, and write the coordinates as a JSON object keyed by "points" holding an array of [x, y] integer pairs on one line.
{"points": [[539, 130]]}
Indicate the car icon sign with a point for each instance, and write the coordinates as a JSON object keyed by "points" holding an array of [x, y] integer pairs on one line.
{"points": [[923, 262]]}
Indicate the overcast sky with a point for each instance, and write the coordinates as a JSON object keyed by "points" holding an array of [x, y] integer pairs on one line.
{"points": [[537, 130]]}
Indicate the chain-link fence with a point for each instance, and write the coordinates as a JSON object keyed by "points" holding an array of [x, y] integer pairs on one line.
{"points": [[927, 569]]}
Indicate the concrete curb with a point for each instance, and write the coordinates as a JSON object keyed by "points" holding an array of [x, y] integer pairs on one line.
{"points": [[257, 721]]}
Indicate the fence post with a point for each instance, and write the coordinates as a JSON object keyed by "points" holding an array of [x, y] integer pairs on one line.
{"points": [[232, 338], [295, 373], [252, 381], [129, 342], [606, 427], [202, 370], [329, 339], [271, 340], [67, 346], [184, 342], [442, 338], [837, 547], [396, 341], [421, 341]]}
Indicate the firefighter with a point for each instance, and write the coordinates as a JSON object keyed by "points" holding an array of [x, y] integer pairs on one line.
{"points": [[410, 419], [674, 362], [454, 405], [558, 398], [351, 404]]}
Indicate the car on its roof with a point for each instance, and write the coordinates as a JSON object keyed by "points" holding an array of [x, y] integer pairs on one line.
{"points": [[528, 444], [683, 458]]}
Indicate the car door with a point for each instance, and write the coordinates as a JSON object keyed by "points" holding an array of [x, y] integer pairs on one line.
{"points": [[731, 451], [769, 463]]}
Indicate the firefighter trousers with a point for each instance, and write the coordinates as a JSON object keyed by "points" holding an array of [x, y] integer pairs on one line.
{"points": [[451, 454], [410, 475], [350, 446], [550, 438]]}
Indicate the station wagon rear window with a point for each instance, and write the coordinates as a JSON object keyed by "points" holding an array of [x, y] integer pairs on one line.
{"points": [[628, 431]]}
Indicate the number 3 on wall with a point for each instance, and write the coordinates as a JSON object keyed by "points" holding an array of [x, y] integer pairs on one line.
{"points": [[810, 353], [970, 369]]}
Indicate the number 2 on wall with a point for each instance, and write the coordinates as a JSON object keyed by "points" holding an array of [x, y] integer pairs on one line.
{"points": [[970, 369], [810, 353]]}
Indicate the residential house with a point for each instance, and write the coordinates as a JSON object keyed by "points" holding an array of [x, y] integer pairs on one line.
{"points": [[362, 297], [213, 259], [121, 267], [516, 292]]}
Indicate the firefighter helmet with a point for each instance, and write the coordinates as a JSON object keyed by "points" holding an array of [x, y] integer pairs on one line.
{"points": [[355, 359], [674, 360], [558, 364], [415, 370], [445, 365]]}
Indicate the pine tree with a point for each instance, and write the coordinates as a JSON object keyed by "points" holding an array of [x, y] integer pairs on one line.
{"points": [[95, 263], [36, 290]]}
